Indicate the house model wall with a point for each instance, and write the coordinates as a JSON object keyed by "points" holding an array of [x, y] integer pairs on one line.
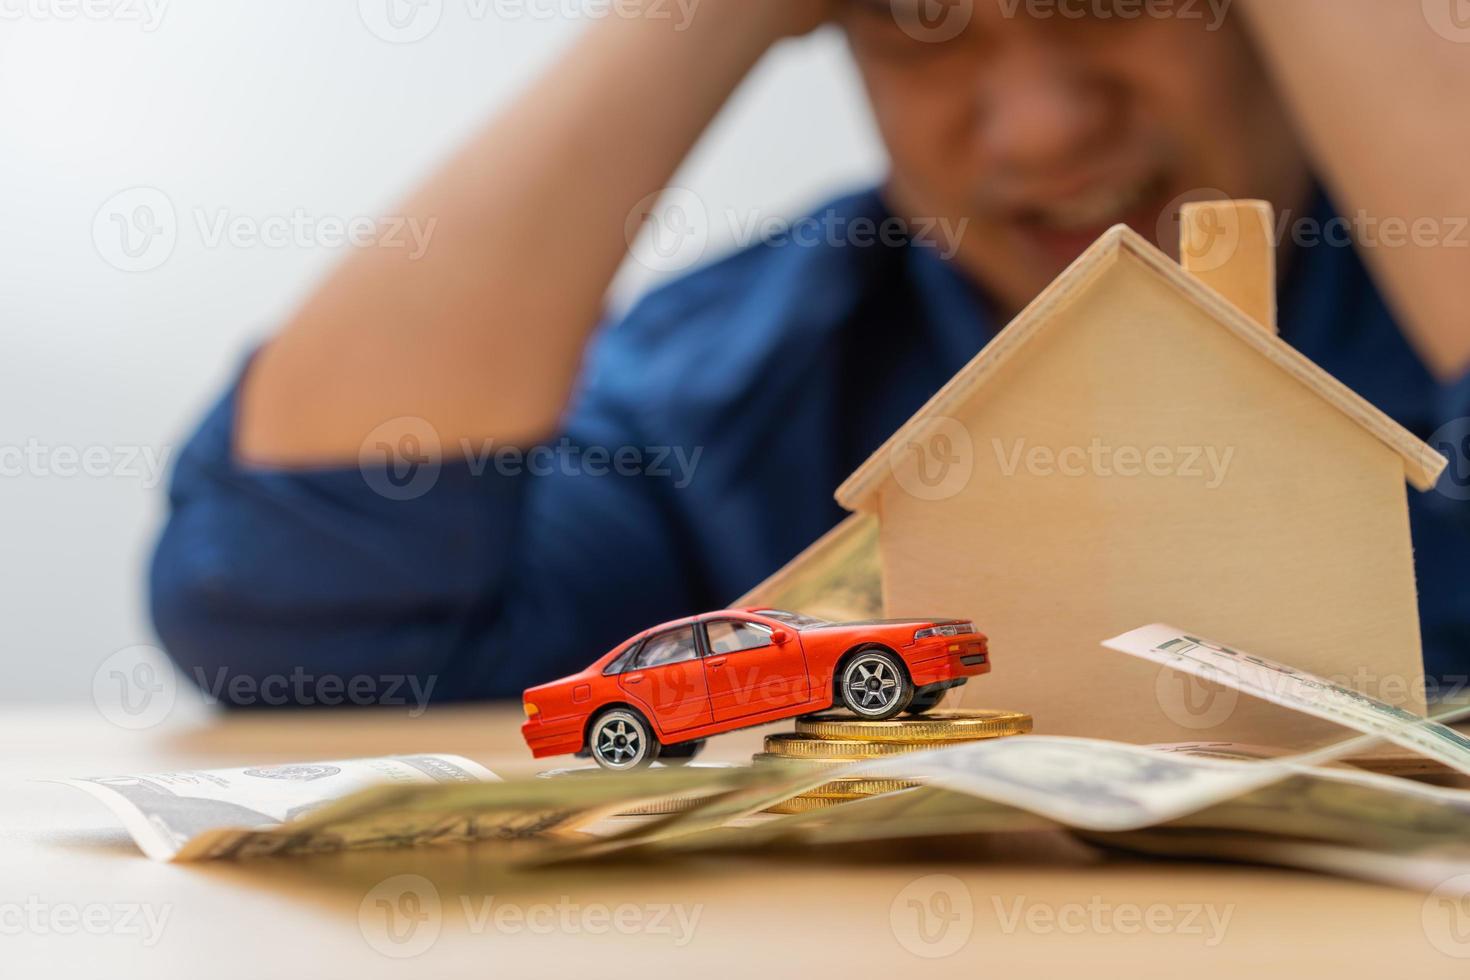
{"points": [[1140, 447]]}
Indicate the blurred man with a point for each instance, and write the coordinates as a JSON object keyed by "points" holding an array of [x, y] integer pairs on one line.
{"points": [[440, 467]]}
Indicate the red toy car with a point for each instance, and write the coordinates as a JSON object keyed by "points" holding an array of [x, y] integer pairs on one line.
{"points": [[662, 693]]}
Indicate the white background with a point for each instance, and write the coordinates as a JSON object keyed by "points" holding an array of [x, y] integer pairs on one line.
{"points": [[255, 109]]}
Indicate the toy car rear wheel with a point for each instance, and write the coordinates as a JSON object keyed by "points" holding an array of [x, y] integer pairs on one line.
{"points": [[874, 684], [621, 740], [681, 754]]}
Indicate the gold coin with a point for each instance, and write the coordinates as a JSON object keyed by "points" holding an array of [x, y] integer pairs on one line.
{"points": [[857, 787], [772, 759], [804, 804], [934, 726], [793, 746], [658, 808]]}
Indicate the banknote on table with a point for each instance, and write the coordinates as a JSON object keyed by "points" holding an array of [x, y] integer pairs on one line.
{"points": [[390, 802], [1295, 689], [1007, 785], [911, 813], [552, 814], [1343, 809], [1346, 806], [1091, 783], [189, 814], [757, 789], [1001, 784], [1073, 782]]}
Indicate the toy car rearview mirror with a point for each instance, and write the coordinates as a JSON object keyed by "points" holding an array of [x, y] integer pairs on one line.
{"points": [[780, 637]]}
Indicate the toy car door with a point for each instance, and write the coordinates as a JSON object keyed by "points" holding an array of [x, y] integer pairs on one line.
{"points": [[748, 672], [666, 679]]}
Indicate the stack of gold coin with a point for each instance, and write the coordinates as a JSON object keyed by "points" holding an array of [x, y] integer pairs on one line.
{"points": [[837, 739]]}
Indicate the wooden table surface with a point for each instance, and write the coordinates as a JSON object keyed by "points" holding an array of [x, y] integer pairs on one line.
{"points": [[77, 899]]}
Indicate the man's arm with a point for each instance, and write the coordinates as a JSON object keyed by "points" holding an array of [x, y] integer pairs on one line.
{"points": [[1381, 95], [482, 336], [274, 588]]}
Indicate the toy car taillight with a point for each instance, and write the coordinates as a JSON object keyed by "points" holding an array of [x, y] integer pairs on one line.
{"points": [[949, 629]]}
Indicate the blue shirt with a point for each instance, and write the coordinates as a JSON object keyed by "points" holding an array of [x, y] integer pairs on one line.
{"points": [[711, 426]]}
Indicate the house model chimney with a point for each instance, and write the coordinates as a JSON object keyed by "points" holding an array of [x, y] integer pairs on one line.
{"points": [[1230, 246]]}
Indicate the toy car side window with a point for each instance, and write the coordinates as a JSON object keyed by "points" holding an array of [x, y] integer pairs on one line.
{"points": [[675, 646], [733, 636], [623, 661]]}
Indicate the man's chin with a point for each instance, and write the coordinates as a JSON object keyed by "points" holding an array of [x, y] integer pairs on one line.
{"points": [[1060, 246]]}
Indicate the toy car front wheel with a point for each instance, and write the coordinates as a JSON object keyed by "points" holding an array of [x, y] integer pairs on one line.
{"points": [[874, 684], [621, 739]]}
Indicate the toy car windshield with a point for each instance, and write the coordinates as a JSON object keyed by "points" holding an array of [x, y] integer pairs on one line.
{"points": [[794, 620]]}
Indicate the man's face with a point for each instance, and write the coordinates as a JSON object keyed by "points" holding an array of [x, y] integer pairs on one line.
{"points": [[1045, 130]]}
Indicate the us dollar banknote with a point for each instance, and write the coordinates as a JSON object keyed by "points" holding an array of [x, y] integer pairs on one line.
{"points": [[189, 814], [1095, 784], [1331, 808], [1005, 783], [401, 801], [1296, 689]]}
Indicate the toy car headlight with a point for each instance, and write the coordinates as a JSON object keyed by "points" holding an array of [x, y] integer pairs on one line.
{"points": [[951, 629], [531, 710]]}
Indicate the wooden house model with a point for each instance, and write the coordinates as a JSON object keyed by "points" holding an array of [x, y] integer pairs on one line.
{"points": [[1140, 446]]}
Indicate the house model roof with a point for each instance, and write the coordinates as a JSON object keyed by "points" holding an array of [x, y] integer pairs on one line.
{"points": [[1422, 465]]}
